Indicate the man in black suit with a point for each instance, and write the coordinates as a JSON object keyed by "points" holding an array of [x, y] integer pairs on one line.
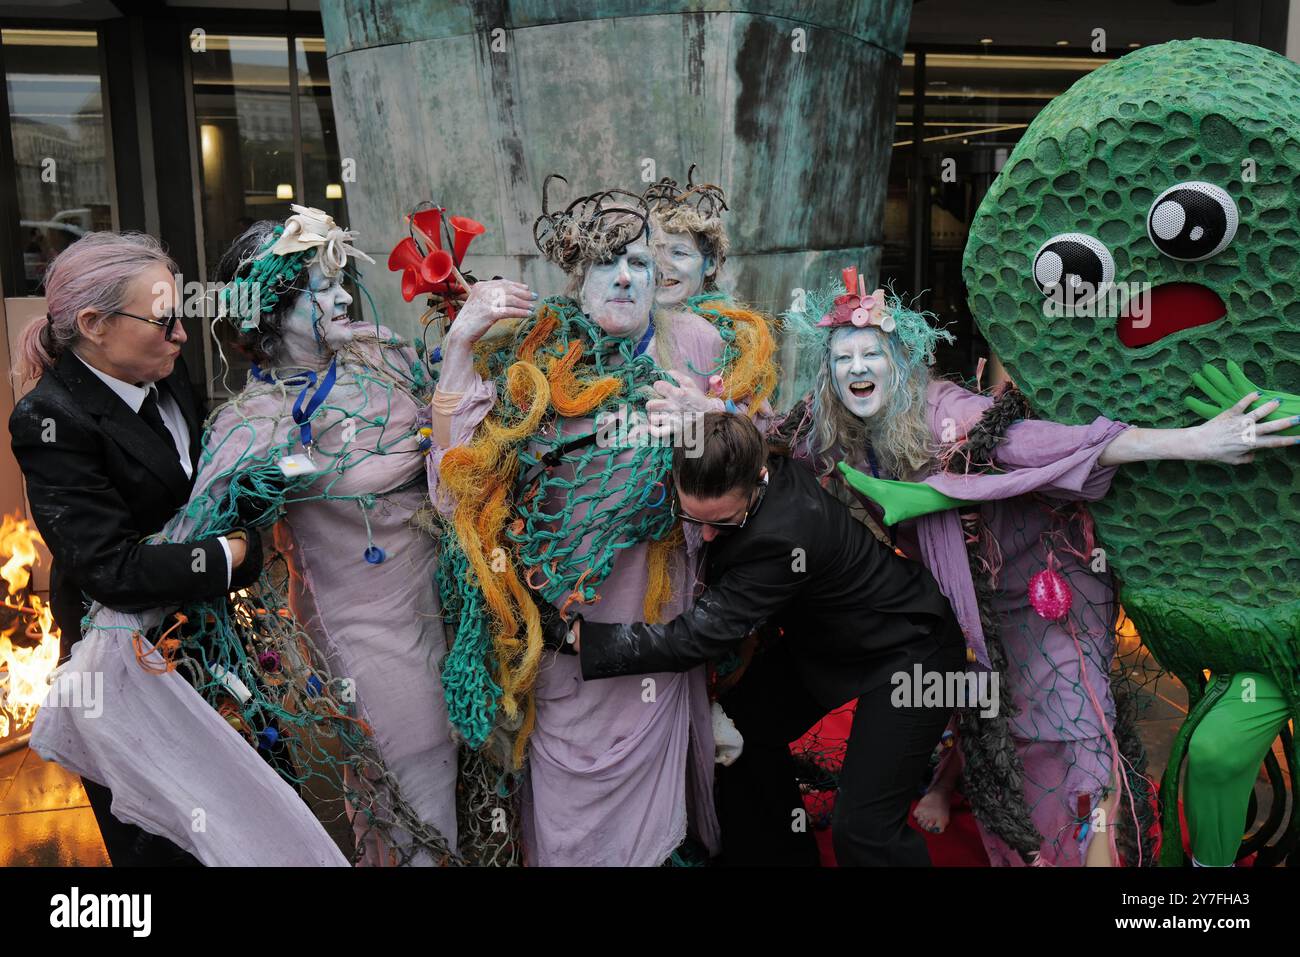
{"points": [[108, 441], [852, 616]]}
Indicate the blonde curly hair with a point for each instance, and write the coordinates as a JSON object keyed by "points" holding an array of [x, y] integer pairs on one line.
{"points": [[899, 433], [696, 210], [708, 231]]}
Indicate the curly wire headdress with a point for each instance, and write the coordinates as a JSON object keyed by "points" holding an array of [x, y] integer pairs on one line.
{"points": [[697, 210], [707, 199], [590, 229]]}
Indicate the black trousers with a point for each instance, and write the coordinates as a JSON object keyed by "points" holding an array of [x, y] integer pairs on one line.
{"points": [[887, 754], [128, 845]]}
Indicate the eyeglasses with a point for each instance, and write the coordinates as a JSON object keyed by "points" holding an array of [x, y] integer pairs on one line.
{"points": [[723, 526], [168, 324]]}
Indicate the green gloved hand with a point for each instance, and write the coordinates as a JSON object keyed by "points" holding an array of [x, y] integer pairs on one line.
{"points": [[1224, 392], [900, 500]]}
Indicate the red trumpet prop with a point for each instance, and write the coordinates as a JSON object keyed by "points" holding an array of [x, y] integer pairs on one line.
{"points": [[465, 230], [420, 273], [429, 269], [428, 224], [437, 266]]}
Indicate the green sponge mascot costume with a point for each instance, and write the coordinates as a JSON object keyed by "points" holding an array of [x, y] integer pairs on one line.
{"points": [[1138, 257]]}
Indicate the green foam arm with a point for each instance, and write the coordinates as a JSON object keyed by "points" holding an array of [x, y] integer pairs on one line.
{"points": [[900, 500]]}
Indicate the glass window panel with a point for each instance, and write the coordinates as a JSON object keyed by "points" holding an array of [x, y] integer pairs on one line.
{"points": [[323, 185], [985, 100], [896, 253], [976, 108], [246, 137], [61, 165]]}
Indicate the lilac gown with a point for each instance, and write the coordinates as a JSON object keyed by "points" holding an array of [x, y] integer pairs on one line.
{"points": [[377, 624], [615, 765], [1058, 672]]}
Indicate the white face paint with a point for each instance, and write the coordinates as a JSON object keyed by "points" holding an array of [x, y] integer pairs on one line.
{"points": [[318, 323], [682, 268], [618, 295], [860, 370]]}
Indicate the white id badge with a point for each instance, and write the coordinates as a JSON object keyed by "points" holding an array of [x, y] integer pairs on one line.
{"points": [[295, 465]]}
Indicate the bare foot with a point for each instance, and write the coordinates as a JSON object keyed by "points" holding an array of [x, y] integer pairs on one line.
{"points": [[931, 812]]}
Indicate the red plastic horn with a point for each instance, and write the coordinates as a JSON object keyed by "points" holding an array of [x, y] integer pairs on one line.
{"points": [[436, 266], [429, 223], [405, 255], [465, 229], [406, 259], [413, 285]]}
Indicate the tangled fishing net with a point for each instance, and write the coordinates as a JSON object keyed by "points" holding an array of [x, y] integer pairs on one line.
{"points": [[247, 655], [523, 523]]}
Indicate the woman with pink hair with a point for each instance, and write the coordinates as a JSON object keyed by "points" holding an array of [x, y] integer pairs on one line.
{"points": [[108, 441]]}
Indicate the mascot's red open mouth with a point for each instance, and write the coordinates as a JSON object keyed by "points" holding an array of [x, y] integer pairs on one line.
{"points": [[1170, 307]]}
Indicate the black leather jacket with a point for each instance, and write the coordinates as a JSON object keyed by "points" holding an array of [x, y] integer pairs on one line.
{"points": [[852, 611]]}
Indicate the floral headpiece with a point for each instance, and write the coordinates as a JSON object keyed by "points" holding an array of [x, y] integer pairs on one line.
{"points": [[310, 228], [823, 310], [856, 308], [308, 236]]}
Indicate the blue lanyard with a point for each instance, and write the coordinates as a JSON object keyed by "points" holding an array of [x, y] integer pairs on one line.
{"points": [[645, 340], [261, 375], [303, 416]]}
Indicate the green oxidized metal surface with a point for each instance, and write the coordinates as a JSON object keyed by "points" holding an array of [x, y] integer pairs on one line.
{"points": [[787, 104], [1208, 555], [355, 25]]}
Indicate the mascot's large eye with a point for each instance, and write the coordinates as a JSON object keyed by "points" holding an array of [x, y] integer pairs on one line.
{"points": [[1073, 269], [1192, 221]]}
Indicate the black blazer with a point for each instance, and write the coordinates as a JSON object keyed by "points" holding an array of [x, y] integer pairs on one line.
{"points": [[99, 481], [852, 611]]}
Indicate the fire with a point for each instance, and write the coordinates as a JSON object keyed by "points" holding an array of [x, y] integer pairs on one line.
{"points": [[18, 541], [25, 668], [1126, 633]]}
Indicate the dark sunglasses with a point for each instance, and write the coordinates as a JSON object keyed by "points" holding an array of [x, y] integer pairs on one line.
{"points": [[168, 324], [723, 526]]}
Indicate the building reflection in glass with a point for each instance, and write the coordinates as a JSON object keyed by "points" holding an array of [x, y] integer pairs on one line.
{"points": [[61, 166]]}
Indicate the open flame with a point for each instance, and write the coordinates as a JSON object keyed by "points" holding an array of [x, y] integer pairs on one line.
{"points": [[25, 667], [1127, 638]]}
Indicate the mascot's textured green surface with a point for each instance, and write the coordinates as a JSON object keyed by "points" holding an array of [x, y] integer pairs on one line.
{"points": [[1138, 174]]}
